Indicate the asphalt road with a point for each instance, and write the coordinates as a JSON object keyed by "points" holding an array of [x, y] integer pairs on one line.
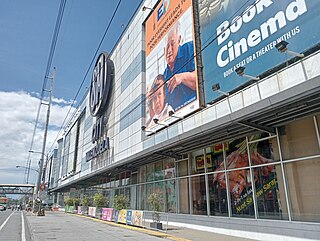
{"points": [[13, 226]]}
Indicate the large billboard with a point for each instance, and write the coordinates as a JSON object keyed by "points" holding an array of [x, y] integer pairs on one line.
{"points": [[237, 33], [171, 74]]}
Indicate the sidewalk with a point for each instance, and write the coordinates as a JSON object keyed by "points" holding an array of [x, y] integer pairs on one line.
{"points": [[67, 227]]}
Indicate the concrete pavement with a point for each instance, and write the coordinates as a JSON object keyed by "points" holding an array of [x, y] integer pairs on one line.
{"points": [[68, 227]]}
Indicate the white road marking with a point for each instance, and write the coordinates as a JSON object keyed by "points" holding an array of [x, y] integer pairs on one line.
{"points": [[4, 223], [23, 231]]}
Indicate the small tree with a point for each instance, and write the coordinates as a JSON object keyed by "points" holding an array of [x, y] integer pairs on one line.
{"points": [[76, 201], [120, 202], [155, 202], [99, 200], [68, 201], [85, 201]]}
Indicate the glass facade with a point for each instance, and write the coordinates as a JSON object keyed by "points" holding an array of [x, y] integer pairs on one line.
{"points": [[254, 176]]}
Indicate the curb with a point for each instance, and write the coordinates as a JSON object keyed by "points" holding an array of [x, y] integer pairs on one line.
{"points": [[138, 229]]}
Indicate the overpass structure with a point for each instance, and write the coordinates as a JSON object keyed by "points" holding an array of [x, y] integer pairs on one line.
{"points": [[26, 189]]}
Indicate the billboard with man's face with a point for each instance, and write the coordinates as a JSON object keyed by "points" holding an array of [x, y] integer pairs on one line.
{"points": [[171, 74], [236, 33]]}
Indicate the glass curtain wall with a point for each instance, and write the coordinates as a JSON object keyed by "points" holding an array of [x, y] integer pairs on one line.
{"points": [[264, 176]]}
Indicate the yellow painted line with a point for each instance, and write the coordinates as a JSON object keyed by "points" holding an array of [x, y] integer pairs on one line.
{"points": [[134, 228]]}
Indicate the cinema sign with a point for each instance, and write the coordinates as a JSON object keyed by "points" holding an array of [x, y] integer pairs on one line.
{"points": [[102, 77]]}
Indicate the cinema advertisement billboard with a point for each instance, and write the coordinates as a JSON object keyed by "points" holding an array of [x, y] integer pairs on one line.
{"points": [[171, 74], [236, 34]]}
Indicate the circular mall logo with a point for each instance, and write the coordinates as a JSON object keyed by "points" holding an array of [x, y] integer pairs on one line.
{"points": [[102, 77]]}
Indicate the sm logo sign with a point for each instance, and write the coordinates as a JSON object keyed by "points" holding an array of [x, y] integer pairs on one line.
{"points": [[102, 77]]}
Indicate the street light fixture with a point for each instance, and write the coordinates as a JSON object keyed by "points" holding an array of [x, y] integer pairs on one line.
{"points": [[38, 152], [28, 168]]}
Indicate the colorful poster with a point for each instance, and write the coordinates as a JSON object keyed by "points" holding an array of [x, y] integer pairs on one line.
{"points": [[171, 73], [136, 218], [237, 33], [200, 161], [115, 215], [80, 210], [129, 216], [240, 183], [122, 217], [109, 214], [92, 211], [104, 213]]}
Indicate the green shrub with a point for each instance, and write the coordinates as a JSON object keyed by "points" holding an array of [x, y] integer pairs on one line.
{"points": [[155, 202], [85, 201], [68, 201], [120, 202], [99, 200]]}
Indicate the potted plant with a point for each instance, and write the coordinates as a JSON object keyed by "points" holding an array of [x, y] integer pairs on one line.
{"points": [[119, 202], [99, 201], [155, 202], [85, 204], [69, 204]]}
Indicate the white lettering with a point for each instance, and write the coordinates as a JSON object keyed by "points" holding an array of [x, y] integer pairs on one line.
{"points": [[299, 6]]}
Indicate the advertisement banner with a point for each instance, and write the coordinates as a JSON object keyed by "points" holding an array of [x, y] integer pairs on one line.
{"points": [[137, 217], [171, 74], [80, 210], [92, 211], [122, 217], [104, 214], [129, 217], [236, 34], [115, 215]]}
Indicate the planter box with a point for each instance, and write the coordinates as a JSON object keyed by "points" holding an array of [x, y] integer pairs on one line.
{"points": [[156, 225]]}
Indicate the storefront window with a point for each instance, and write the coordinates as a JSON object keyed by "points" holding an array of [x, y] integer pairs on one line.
{"points": [[270, 196], [142, 174], [240, 186], [169, 169], [159, 189], [134, 178], [303, 182], [236, 153], [262, 152], [299, 139], [199, 200], [142, 197], [218, 195], [158, 171], [184, 204], [133, 197], [198, 162], [182, 168], [214, 156], [171, 196], [150, 172]]}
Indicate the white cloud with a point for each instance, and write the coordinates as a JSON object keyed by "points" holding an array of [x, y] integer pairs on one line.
{"points": [[18, 111], [62, 101]]}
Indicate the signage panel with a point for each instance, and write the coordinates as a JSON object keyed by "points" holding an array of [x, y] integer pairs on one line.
{"points": [[102, 77], [171, 74], [237, 34]]}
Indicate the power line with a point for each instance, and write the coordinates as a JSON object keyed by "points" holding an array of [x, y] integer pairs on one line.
{"points": [[46, 76], [85, 76]]}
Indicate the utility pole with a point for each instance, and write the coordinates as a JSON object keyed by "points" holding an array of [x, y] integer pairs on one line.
{"points": [[45, 133]]}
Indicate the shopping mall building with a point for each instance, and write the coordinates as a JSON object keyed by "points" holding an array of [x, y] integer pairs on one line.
{"points": [[213, 104]]}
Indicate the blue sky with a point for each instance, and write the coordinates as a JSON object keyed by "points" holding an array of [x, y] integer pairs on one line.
{"points": [[26, 31]]}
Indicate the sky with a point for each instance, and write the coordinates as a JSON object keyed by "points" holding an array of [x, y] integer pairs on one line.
{"points": [[26, 31]]}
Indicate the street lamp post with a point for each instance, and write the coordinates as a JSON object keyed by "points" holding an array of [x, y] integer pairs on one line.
{"points": [[40, 168]]}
